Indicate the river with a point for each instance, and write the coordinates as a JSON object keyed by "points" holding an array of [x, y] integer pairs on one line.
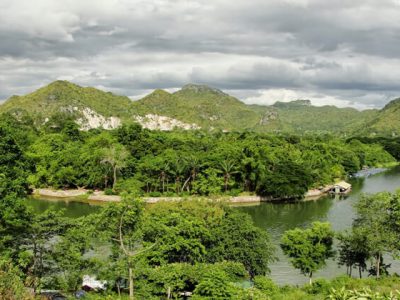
{"points": [[276, 218]]}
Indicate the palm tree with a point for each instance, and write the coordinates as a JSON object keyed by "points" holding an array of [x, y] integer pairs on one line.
{"points": [[115, 156], [193, 164], [228, 168], [179, 168], [164, 174]]}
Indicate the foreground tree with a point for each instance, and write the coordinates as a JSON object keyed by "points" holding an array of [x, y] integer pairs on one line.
{"points": [[11, 285], [353, 251], [208, 232], [378, 220], [120, 225], [308, 249], [45, 228], [116, 157]]}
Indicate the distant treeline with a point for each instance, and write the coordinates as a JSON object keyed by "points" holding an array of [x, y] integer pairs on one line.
{"points": [[201, 247], [156, 163], [391, 145]]}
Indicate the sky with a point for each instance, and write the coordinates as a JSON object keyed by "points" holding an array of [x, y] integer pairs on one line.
{"points": [[343, 53]]}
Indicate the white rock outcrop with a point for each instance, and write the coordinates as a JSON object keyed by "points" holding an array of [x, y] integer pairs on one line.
{"points": [[157, 122], [92, 119]]}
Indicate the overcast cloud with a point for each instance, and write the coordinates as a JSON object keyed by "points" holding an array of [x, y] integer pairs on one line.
{"points": [[345, 53]]}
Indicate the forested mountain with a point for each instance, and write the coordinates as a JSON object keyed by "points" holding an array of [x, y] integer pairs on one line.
{"points": [[90, 107], [387, 121], [301, 116], [205, 106], [195, 107]]}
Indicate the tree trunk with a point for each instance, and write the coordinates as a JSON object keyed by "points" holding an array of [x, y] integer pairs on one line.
{"points": [[131, 296], [186, 182], [378, 267], [359, 271], [177, 184], [310, 278], [119, 291], [115, 177]]}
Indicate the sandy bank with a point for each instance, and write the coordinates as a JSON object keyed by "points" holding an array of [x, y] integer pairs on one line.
{"points": [[99, 196]]}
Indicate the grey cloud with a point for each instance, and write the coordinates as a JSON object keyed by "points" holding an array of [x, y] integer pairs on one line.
{"points": [[342, 49]]}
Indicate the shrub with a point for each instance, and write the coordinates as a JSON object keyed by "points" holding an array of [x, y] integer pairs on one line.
{"points": [[11, 286], [155, 194], [319, 286], [109, 192], [265, 284]]}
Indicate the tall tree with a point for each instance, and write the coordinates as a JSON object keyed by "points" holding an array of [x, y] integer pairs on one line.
{"points": [[375, 222], [120, 225], [228, 168], [308, 249], [353, 251], [116, 156]]}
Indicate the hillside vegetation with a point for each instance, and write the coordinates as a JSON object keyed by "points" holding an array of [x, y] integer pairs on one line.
{"points": [[197, 106], [387, 121]]}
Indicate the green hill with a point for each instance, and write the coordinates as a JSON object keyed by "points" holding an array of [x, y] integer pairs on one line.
{"points": [[84, 103], [197, 106], [301, 116], [211, 108], [387, 121], [202, 105]]}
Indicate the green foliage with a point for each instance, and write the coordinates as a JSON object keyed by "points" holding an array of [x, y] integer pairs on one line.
{"points": [[366, 293], [131, 159], [63, 97], [217, 111], [11, 286], [378, 222], [308, 249], [204, 231], [12, 164], [386, 122], [69, 255], [318, 286], [265, 285], [354, 250], [15, 221], [213, 285]]}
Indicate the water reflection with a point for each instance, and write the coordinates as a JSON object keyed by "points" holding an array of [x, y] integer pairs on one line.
{"points": [[72, 209], [277, 218]]}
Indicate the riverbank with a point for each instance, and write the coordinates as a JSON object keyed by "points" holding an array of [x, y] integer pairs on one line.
{"points": [[85, 195], [276, 218]]}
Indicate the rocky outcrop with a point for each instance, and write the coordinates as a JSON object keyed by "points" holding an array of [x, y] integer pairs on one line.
{"points": [[268, 117], [157, 122], [91, 119]]}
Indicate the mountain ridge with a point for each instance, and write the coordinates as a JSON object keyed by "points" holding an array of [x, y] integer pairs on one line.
{"points": [[197, 106]]}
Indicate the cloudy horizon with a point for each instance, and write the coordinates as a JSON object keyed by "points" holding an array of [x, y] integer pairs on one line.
{"points": [[343, 53]]}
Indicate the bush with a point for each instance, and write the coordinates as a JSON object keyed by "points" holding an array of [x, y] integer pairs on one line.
{"points": [[155, 194], [131, 186], [319, 286], [234, 192], [265, 284], [214, 285], [109, 192], [343, 294], [11, 286]]}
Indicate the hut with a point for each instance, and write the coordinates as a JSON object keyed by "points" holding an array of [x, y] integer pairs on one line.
{"points": [[90, 283], [341, 187]]}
